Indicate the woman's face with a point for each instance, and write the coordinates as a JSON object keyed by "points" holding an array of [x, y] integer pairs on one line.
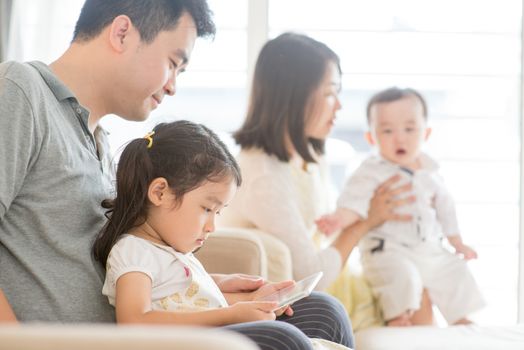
{"points": [[324, 104]]}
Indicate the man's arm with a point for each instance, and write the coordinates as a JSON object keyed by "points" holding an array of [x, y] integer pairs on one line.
{"points": [[17, 141]]}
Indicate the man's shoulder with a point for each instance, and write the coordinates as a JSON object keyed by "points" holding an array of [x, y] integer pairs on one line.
{"points": [[20, 73], [24, 78]]}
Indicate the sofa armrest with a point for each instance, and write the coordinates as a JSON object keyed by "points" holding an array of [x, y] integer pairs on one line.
{"points": [[234, 250], [112, 337], [279, 263], [249, 251]]}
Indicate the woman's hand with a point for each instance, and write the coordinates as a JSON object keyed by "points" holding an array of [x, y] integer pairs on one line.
{"points": [[385, 201]]}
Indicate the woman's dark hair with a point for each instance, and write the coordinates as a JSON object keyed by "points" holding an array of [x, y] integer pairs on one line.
{"points": [[150, 17], [184, 153], [288, 71], [393, 94]]}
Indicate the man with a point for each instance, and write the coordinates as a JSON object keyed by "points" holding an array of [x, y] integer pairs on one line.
{"points": [[54, 173]]}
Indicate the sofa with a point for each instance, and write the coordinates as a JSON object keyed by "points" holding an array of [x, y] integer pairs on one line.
{"points": [[255, 252], [112, 337]]}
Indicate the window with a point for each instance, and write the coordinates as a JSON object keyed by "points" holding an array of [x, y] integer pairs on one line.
{"points": [[467, 65]]}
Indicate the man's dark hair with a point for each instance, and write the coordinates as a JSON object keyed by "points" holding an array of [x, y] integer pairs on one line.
{"points": [[149, 17], [288, 71], [393, 94]]}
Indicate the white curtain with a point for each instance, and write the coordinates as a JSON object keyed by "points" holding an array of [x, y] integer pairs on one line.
{"points": [[5, 19], [41, 30]]}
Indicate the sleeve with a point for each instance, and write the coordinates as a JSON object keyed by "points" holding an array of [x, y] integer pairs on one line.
{"points": [[445, 209], [18, 141], [270, 204], [358, 191], [129, 255]]}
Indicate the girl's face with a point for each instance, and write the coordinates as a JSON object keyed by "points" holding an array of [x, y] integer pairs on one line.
{"points": [[324, 104], [186, 225]]}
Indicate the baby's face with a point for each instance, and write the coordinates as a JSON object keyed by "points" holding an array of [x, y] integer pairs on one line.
{"points": [[399, 129]]}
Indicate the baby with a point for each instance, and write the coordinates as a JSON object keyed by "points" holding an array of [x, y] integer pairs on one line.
{"points": [[400, 259]]}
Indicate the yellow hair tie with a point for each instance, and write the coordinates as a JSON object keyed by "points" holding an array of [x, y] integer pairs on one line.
{"points": [[149, 138]]}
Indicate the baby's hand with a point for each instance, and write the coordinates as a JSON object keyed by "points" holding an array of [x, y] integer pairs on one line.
{"points": [[329, 223], [248, 311], [468, 252]]}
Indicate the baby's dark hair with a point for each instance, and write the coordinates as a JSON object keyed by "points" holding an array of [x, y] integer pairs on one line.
{"points": [[184, 153], [393, 94]]}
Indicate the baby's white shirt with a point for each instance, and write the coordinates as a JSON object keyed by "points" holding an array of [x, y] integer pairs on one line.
{"points": [[179, 281], [433, 212]]}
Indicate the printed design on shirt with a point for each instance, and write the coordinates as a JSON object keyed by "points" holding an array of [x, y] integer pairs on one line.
{"points": [[192, 290], [108, 270], [188, 300], [201, 302], [176, 298]]}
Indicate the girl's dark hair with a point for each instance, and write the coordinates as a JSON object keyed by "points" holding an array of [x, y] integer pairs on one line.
{"points": [[288, 71], [184, 153], [149, 17], [393, 94]]}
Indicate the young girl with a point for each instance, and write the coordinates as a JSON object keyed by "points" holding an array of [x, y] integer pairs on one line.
{"points": [[171, 185]]}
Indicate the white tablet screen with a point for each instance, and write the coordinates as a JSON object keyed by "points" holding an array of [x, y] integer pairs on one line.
{"points": [[297, 291]]}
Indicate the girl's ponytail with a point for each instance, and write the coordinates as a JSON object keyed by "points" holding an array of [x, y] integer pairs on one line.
{"points": [[134, 174], [184, 153]]}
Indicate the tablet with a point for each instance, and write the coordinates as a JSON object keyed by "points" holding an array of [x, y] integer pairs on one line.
{"points": [[297, 291]]}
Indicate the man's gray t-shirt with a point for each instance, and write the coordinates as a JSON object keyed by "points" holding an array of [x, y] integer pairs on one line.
{"points": [[54, 174]]}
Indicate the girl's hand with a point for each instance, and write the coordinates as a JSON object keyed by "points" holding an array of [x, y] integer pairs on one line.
{"points": [[384, 202], [238, 283], [287, 310], [248, 311], [270, 288], [263, 292]]}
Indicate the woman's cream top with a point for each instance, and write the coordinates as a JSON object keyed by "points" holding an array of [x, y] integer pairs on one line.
{"points": [[283, 199]]}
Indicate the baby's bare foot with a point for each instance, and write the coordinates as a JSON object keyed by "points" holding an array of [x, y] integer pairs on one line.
{"points": [[400, 321], [463, 321]]}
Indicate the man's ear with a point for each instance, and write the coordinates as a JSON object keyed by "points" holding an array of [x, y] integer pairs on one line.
{"points": [[157, 191], [369, 138], [427, 133], [119, 32]]}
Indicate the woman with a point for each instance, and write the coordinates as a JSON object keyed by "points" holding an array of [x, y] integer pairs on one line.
{"points": [[292, 110]]}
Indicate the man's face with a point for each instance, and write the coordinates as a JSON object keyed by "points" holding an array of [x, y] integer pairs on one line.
{"points": [[149, 71]]}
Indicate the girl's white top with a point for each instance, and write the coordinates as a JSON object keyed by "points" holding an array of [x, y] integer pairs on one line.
{"points": [[179, 281]]}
